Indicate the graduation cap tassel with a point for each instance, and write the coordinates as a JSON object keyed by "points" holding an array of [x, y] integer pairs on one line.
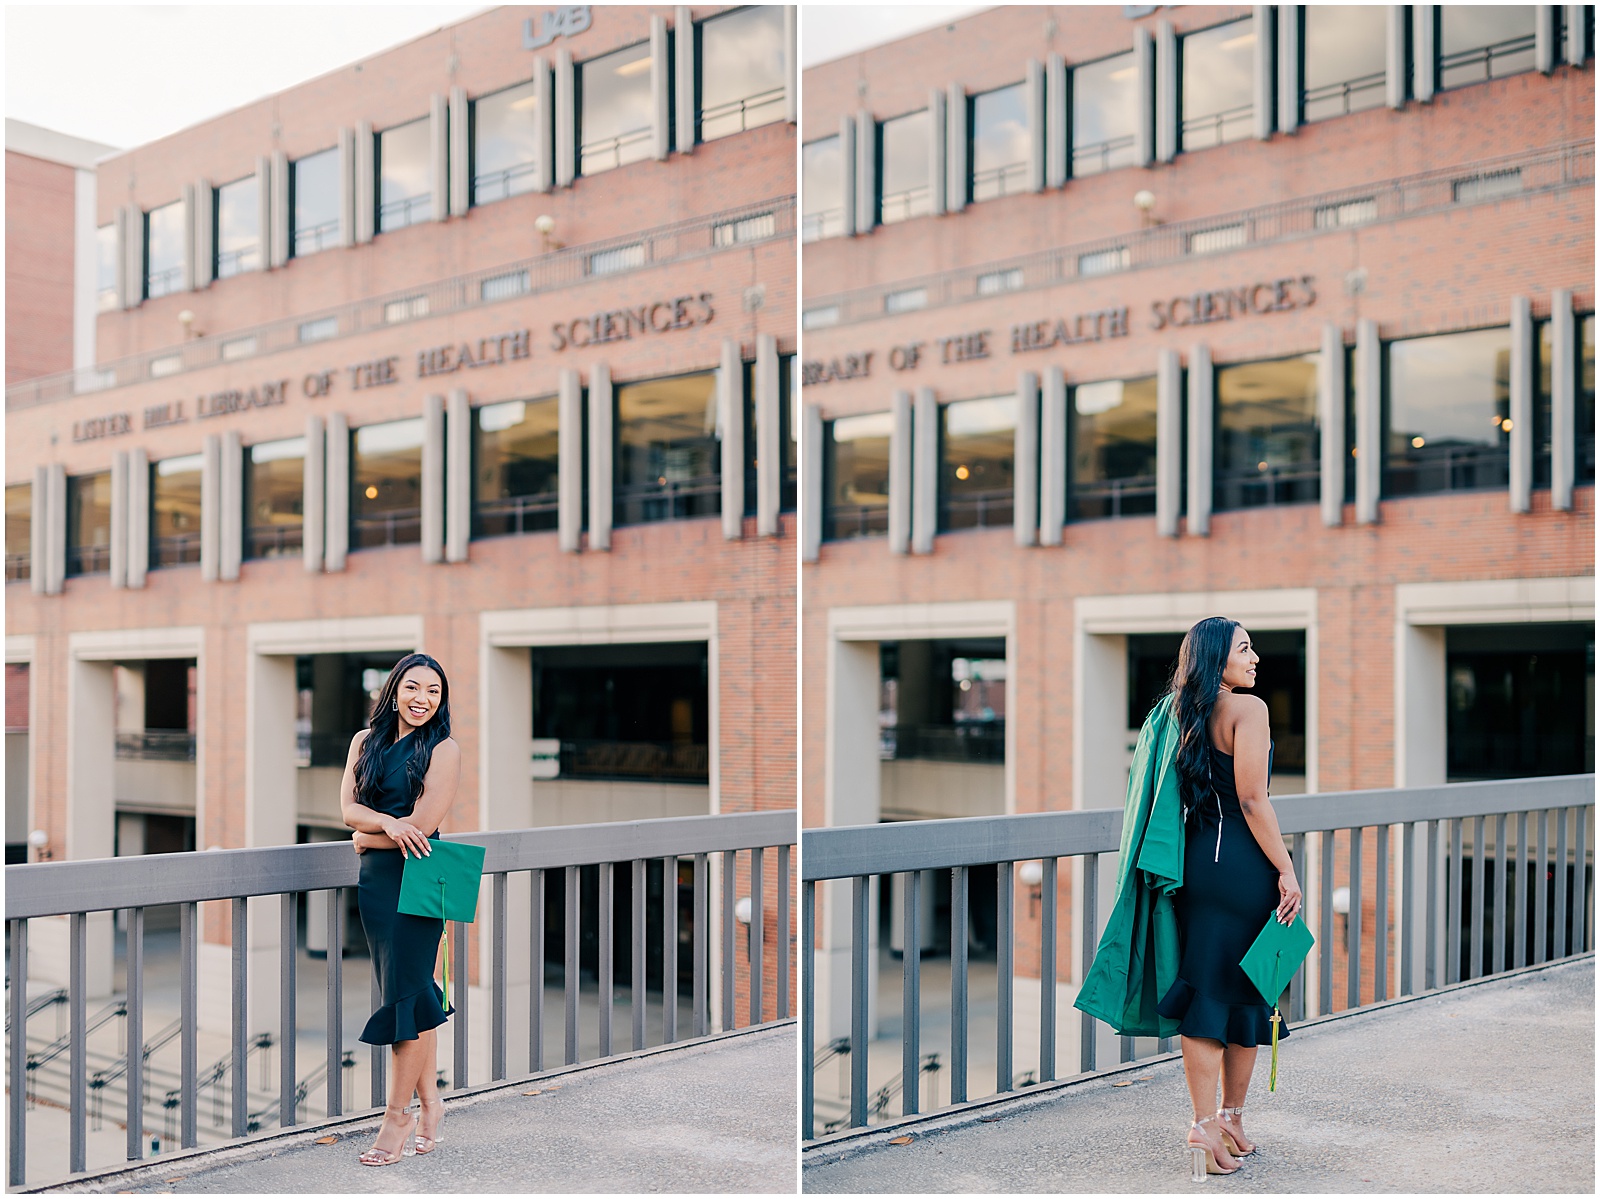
{"points": [[1272, 1078], [448, 1009]]}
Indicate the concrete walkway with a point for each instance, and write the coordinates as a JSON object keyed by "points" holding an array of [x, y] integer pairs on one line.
{"points": [[1488, 1088], [713, 1117]]}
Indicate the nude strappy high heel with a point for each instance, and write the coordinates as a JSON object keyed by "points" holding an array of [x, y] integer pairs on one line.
{"points": [[382, 1157], [425, 1144], [1202, 1159], [1235, 1145]]}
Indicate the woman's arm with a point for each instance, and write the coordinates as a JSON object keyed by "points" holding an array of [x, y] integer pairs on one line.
{"points": [[356, 814], [365, 841], [1252, 740], [438, 793]]}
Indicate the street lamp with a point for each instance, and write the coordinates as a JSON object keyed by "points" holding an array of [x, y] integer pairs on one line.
{"points": [[40, 840], [545, 224]]}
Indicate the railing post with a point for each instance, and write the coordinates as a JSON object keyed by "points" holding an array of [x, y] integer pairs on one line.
{"points": [[1047, 971], [1380, 917], [570, 921], [1297, 985], [460, 1007], [785, 954], [1452, 915], [536, 971], [702, 944], [239, 1092], [1497, 956], [287, 935], [1560, 949], [1325, 919], [758, 930], [1519, 934], [497, 967], [1004, 895], [636, 978], [860, 1034], [1580, 912], [17, 1073], [1430, 962], [335, 1002], [1541, 890], [605, 948], [1408, 891], [730, 888], [1480, 896], [958, 986], [911, 998], [1087, 937], [77, 971], [189, 1009], [808, 1013]]}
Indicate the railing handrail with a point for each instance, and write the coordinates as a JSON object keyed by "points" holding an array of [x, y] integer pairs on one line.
{"points": [[848, 852], [103, 884]]}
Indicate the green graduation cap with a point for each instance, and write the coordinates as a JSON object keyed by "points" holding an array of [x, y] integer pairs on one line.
{"points": [[444, 885], [1270, 963]]}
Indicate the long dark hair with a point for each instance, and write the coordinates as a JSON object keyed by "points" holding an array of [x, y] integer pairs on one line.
{"points": [[1196, 681], [385, 723]]}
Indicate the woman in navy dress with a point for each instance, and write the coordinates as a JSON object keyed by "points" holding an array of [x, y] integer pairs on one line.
{"points": [[399, 781], [1236, 872]]}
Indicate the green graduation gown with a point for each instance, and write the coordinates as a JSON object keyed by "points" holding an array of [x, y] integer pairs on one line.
{"points": [[1137, 959]]}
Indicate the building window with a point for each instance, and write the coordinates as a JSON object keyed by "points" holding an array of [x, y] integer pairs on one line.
{"points": [[1478, 42], [907, 300], [615, 119], [855, 468], [1105, 115], [167, 364], [1518, 701], [1267, 448], [505, 143], [822, 190], [1344, 59], [504, 287], [622, 258], [741, 70], [1209, 241], [407, 309], [175, 511], [238, 231], [1103, 262], [999, 157], [1218, 66], [903, 153], [1114, 448], [320, 329], [517, 467], [943, 701], [314, 201], [977, 449], [163, 231], [405, 189], [274, 497], [239, 347], [747, 229], [1489, 186], [386, 484], [1583, 406], [89, 523], [105, 244], [1449, 426], [788, 437], [1343, 215], [820, 318], [19, 532], [669, 455], [994, 283]]}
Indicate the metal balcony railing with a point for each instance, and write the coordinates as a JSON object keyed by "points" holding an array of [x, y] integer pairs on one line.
{"points": [[133, 885], [156, 745], [1447, 924]]}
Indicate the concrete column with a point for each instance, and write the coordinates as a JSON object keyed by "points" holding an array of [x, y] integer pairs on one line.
{"points": [[1563, 399], [1424, 51], [811, 484], [365, 184], [1052, 457], [1421, 706], [1369, 422], [190, 220], [264, 195], [439, 156], [791, 64], [900, 442], [1576, 36], [544, 89], [566, 120], [40, 529], [205, 250], [55, 540], [281, 217], [866, 171], [133, 260], [458, 477], [683, 77], [955, 153], [1166, 92], [847, 172], [730, 417], [1289, 83], [601, 424], [937, 168], [1330, 416], [119, 518], [569, 471], [1025, 462], [1169, 441], [460, 173], [1202, 417], [336, 502], [925, 472], [1057, 133], [1144, 61], [1546, 37], [313, 513], [433, 479], [269, 740], [210, 507], [505, 801], [1523, 361], [1033, 96], [138, 517], [91, 806], [1394, 58], [230, 529], [347, 186], [769, 437], [1265, 91], [660, 104]]}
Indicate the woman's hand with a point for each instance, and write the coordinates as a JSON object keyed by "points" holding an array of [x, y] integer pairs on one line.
{"points": [[408, 838], [356, 841], [1289, 896]]}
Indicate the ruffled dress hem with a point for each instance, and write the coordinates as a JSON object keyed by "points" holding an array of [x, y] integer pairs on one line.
{"points": [[1199, 1015], [407, 1018]]}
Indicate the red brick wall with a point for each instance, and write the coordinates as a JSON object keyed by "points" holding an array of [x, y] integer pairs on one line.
{"points": [[40, 207], [16, 695]]}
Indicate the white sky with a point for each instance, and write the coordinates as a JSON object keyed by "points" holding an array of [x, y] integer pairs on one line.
{"points": [[830, 31]]}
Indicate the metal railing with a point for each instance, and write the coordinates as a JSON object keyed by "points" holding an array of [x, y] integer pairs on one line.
{"points": [[1449, 932], [88, 559], [1479, 64], [969, 741], [1216, 128], [516, 514], [398, 526], [19, 567], [486, 186], [1294, 483], [636, 761], [1092, 158], [404, 212], [844, 521], [977, 510], [156, 745], [313, 239], [903, 205], [1338, 99], [1134, 495], [607, 154], [273, 541], [733, 116], [75, 889], [674, 499]]}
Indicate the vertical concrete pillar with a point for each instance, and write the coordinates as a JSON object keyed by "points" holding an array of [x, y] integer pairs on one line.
{"points": [[1575, 39], [210, 507], [134, 257], [769, 437], [433, 479], [730, 418], [544, 134], [1033, 97], [190, 220], [660, 100], [683, 77], [811, 484], [1289, 84], [900, 453], [1330, 416], [460, 176], [1169, 441], [601, 425], [230, 494], [566, 120], [937, 168], [1424, 51], [847, 174], [1202, 417], [791, 63], [1420, 705], [1265, 92], [281, 221], [505, 802], [347, 186], [1546, 37], [313, 513], [569, 467], [458, 477], [1563, 399], [39, 531], [365, 184], [139, 517], [336, 541], [119, 519], [205, 249], [955, 153], [1057, 133], [1025, 462], [1144, 62], [91, 807], [1166, 92], [1394, 58], [1052, 457], [264, 193], [439, 155], [269, 750], [1369, 422], [866, 171], [925, 472], [1523, 360], [55, 540]]}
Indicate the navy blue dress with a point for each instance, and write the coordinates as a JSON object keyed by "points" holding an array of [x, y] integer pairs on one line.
{"points": [[404, 948], [1229, 889]]}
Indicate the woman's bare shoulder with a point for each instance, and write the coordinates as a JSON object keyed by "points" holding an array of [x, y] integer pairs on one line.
{"points": [[447, 751], [1242, 708]]}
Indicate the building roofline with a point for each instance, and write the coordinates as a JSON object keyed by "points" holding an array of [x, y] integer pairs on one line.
{"points": [[38, 142]]}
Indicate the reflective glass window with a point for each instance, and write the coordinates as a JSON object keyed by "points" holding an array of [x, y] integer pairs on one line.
{"points": [[1449, 423], [1345, 59], [314, 201], [238, 239], [1583, 405], [669, 450], [615, 111], [977, 449], [1114, 448], [855, 469], [386, 484], [903, 148], [405, 190], [999, 142], [1218, 98], [274, 497], [19, 532], [1105, 114], [517, 467], [741, 70], [822, 190], [1478, 42], [105, 245], [89, 523], [787, 439], [1519, 702], [163, 230], [505, 142], [1267, 445], [175, 511]]}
